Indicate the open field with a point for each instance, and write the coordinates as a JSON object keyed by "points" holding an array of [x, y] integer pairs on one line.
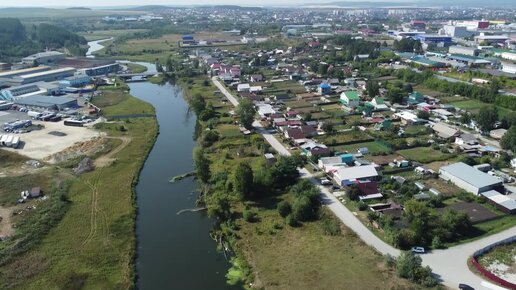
{"points": [[473, 106], [424, 154], [93, 246], [373, 146], [278, 252]]}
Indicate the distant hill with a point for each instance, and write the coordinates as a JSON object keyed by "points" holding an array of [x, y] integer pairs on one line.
{"points": [[425, 3], [149, 8], [79, 8], [17, 41]]}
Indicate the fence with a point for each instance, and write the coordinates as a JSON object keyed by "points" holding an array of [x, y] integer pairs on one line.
{"points": [[484, 271]]}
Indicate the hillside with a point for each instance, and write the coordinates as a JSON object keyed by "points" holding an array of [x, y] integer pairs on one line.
{"points": [[17, 40]]}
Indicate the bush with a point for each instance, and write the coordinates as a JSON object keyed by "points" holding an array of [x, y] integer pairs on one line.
{"points": [[437, 243], [331, 227], [292, 221], [284, 208], [362, 206], [249, 215]]}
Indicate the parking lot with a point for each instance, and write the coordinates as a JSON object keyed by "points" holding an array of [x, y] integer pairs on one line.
{"points": [[39, 144]]}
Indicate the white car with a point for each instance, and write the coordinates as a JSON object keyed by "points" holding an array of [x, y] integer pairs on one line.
{"points": [[418, 250], [325, 181]]}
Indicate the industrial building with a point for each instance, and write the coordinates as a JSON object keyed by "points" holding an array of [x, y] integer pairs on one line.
{"points": [[456, 31], [47, 102], [43, 57], [90, 66], [14, 73], [38, 88], [77, 80], [456, 49], [433, 38], [44, 76], [491, 38], [509, 68], [469, 178], [469, 60], [502, 202]]}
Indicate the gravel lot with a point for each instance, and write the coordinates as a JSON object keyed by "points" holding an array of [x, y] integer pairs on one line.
{"points": [[38, 144]]}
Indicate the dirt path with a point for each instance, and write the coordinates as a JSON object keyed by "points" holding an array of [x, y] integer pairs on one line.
{"points": [[6, 229], [107, 159]]}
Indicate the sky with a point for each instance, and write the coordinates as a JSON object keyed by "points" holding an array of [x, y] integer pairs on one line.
{"points": [[93, 3]]}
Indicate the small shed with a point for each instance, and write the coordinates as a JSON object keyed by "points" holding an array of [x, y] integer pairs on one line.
{"points": [[35, 192]]}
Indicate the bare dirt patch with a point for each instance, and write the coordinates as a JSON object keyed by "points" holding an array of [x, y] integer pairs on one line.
{"points": [[6, 229]]}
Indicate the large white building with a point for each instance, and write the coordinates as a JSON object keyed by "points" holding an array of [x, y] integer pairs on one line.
{"points": [[456, 49], [344, 175], [469, 178], [457, 31], [509, 68], [44, 57]]}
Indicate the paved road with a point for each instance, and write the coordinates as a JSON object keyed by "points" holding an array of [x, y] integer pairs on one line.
{"points": [[450, 264]]}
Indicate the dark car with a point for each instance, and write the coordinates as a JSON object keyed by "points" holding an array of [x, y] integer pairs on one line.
{"points": [[465, 287]]}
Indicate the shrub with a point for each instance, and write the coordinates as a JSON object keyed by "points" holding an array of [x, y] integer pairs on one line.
{"points": [[284, 208], [292, 221], [331, 227], [362, 206]]}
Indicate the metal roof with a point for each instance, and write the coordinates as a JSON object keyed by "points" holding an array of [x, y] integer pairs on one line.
{"points": [[356, 172], [500, 199], [470, 175]]}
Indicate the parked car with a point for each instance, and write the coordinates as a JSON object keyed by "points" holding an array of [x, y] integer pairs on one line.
{"points": [[325, 181], [465, 287], [418, 250]]}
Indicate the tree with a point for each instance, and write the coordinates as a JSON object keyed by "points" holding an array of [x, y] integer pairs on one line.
{"points": [[409, 266], [373, 89], [246, 111], [423, 115], [487, 117], [328, 127], [202, 165], [243, 180], [508, 141], [197, 104], [284, 172]]}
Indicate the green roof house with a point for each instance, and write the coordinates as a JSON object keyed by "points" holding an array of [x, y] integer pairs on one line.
{"points": [[415, 98], [350, 99]]}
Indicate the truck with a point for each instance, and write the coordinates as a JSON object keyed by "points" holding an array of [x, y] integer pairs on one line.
{"points": [[11, 126], [34, 114], [75, 123], [15, 142], [8, 142]]}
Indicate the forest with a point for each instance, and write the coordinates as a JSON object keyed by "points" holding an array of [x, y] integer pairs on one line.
{"points": [[18, 40]]}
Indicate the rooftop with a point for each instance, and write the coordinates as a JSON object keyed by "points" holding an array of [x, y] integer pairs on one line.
{"points": [[357, 172], [43, 73], [470, 175]]}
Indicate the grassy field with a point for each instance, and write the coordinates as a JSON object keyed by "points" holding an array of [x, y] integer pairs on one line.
{"points": [[228, 130], [424, 154], [305, 258], [93, 246], [373, 146], [474, 106], [12, 186], [136, 68], [8, 158]]}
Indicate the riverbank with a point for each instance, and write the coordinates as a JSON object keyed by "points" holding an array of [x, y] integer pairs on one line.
{"points": [[93, 247]]}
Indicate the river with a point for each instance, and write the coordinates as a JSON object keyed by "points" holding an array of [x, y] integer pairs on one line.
{"points": [[173, 251], [95, 46]]}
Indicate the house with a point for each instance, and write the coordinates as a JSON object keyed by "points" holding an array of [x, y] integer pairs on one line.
{"points": [[265, 110], [243, 88], [350, 99], [281, 97], [235, 72], [391, 209], [444, 131], [295, 134], [257, 78], [409, 118], [502, 202], [378, 104], [327, 163], [469, 178], [466, 139], [348, 175], [497, 133], [442, 113], [315, 149], [415, 98], [255, 89], [324, 89]]}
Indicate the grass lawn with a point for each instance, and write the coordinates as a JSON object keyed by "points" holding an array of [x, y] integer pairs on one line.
{"points": [[228, 130], [474, 106], [285, 258], [342, 138], [12, 186], [8, 158], [86, 251], [373, 146], [424, 154], [136, 68]]}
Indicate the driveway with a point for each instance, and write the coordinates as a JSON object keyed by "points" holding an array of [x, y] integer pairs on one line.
{"points": [[450, 265]]}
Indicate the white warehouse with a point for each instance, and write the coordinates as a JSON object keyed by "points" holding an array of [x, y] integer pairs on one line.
{"points": [[469, 178]]}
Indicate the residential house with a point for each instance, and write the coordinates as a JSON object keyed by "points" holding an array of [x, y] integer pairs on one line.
{"points": [[415, 98], [444, 131], [315, 149], [243, 88], [466, 139], [324, 89], [378, 104], [257, 78], [350, 99], [348, 175]]}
